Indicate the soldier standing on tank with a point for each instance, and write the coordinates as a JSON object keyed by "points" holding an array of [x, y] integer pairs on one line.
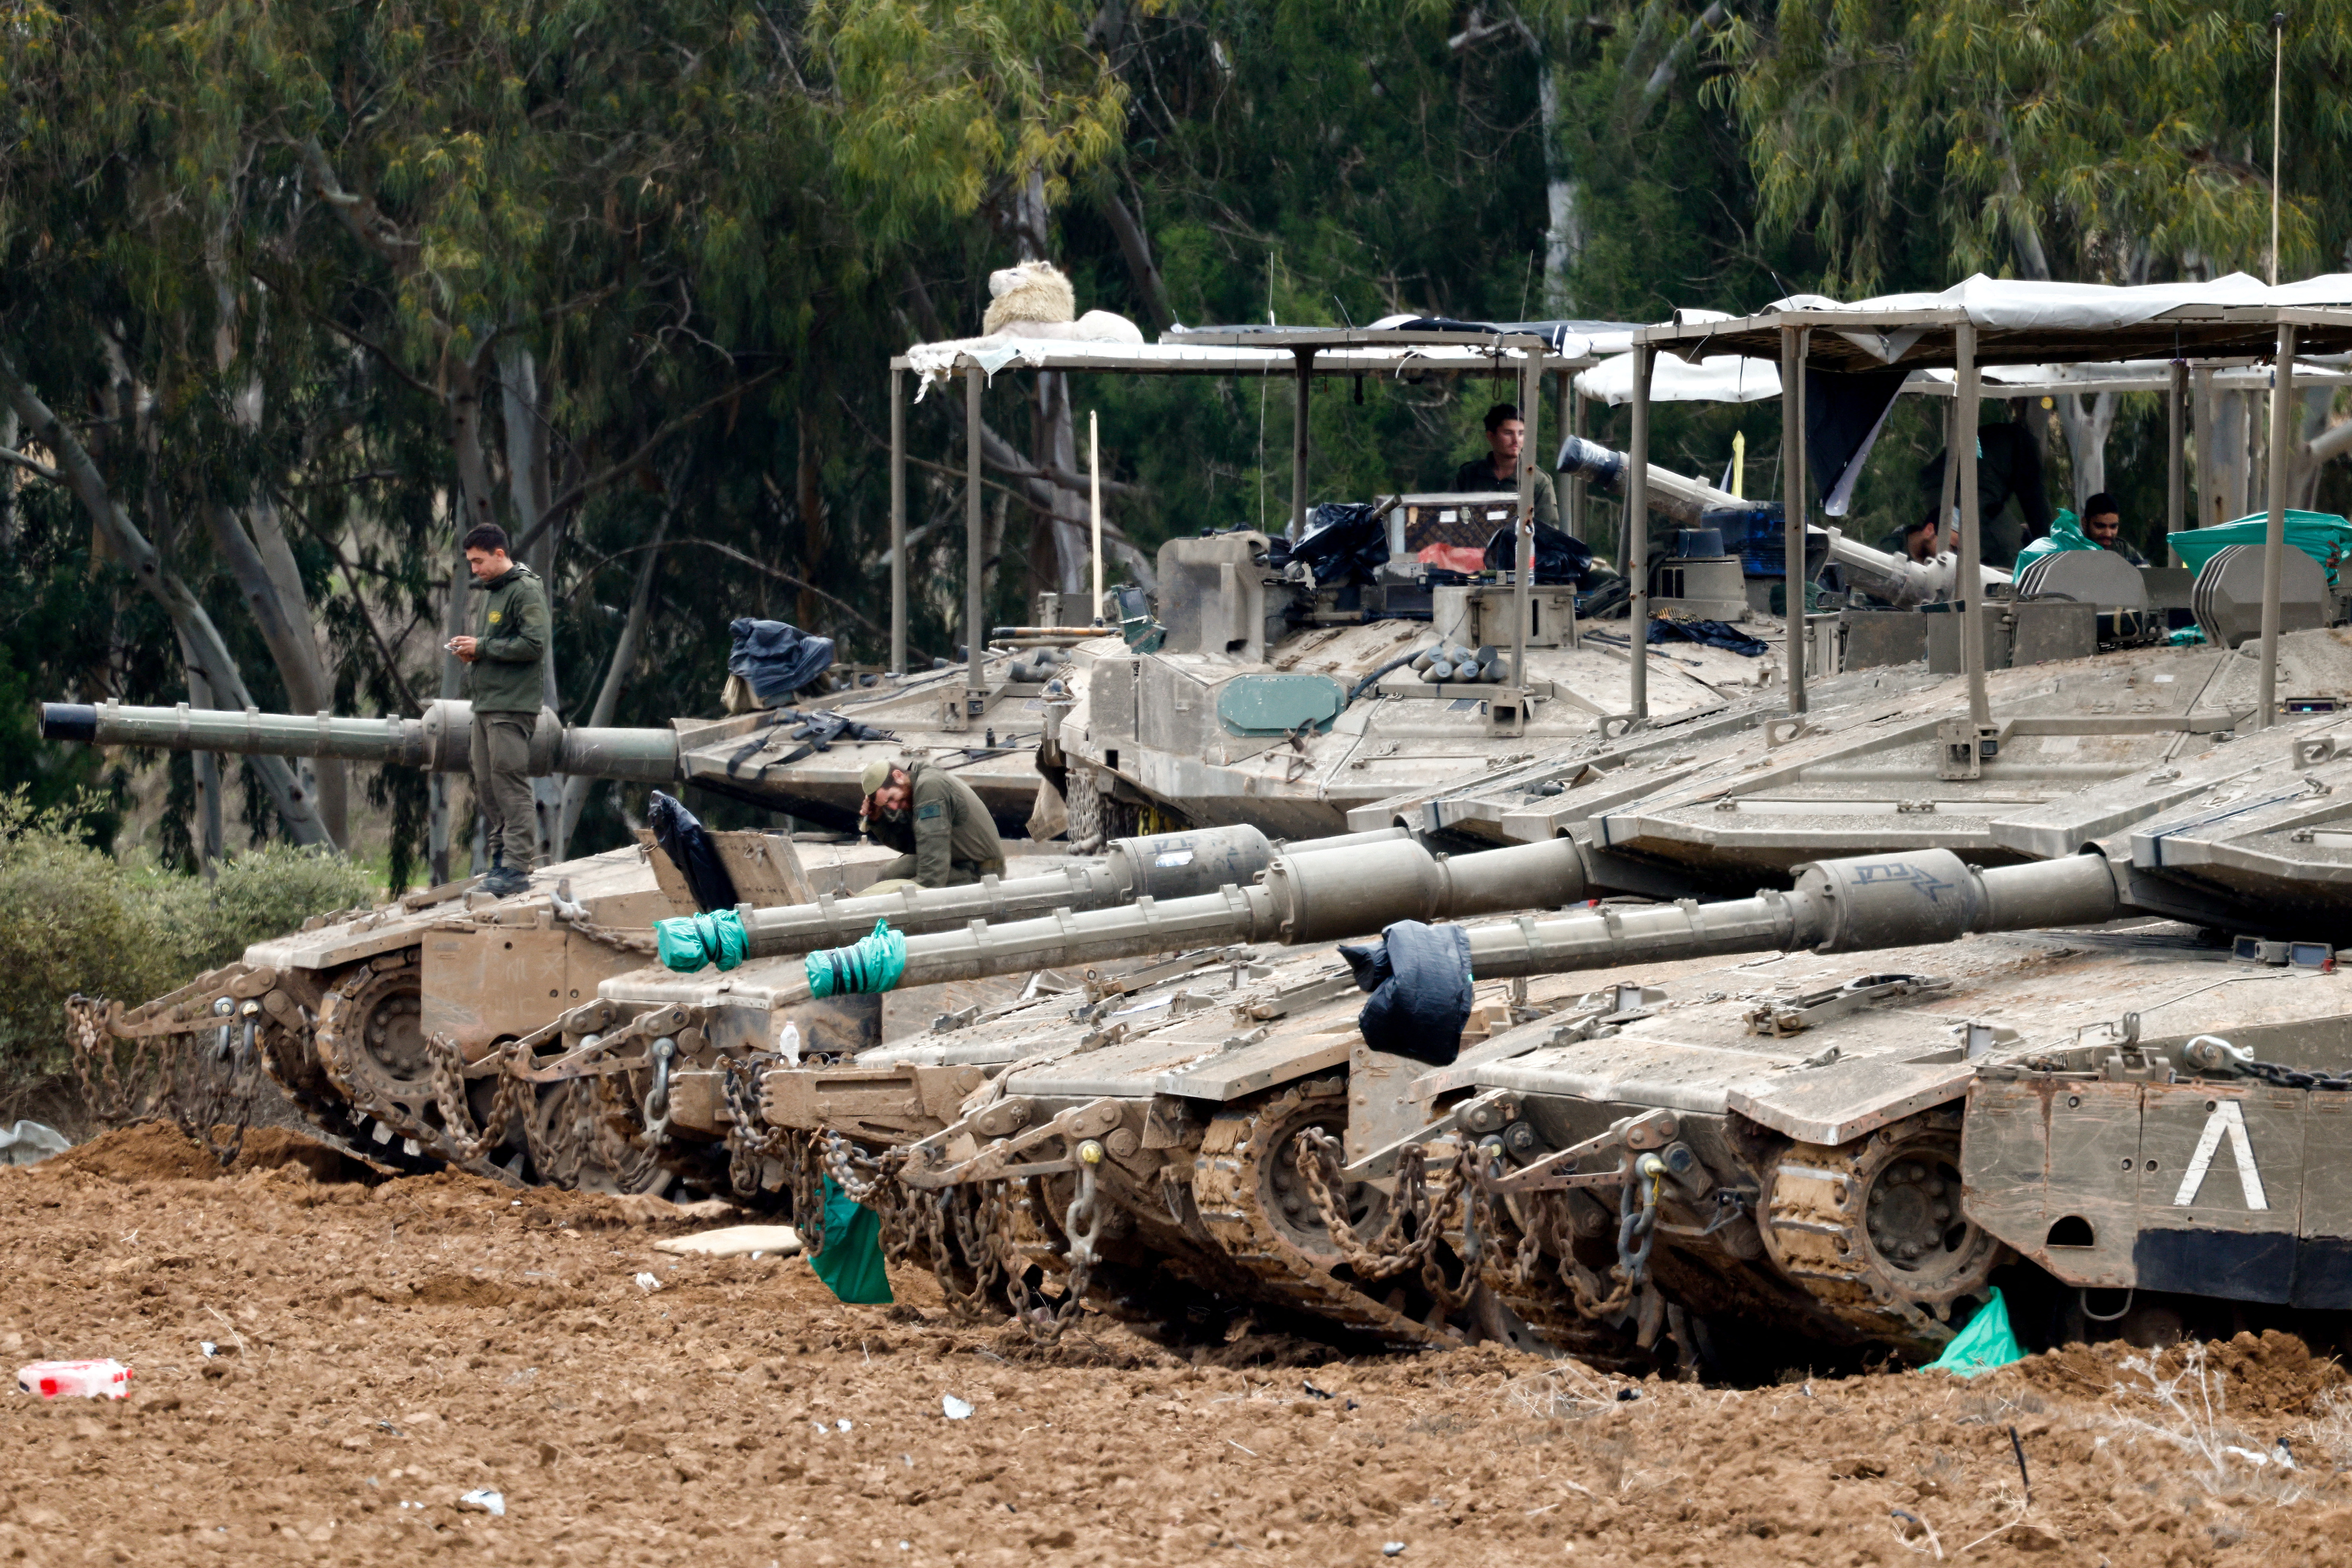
{"points": [[1507, 435], [942, 831], [503, 677]]}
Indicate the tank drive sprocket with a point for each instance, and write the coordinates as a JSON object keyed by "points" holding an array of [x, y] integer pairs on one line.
{"points": [[1254, 1201], [1874, 1228]]}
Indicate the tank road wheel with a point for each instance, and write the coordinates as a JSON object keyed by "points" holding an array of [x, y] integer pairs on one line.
{"points": [[1874, 1230], [1286, 1249], [371, 1043], [1282, 1190]]}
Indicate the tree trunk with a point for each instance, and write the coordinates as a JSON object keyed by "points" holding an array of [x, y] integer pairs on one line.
{"points": [[263, 564], [206, 838], [2086, 421], [1135, 245], [1563, 195], [617, 672], [523, 409], [808, 500], [295, 807]]}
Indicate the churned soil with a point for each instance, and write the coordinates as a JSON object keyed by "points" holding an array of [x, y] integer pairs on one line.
{"points": [[386, 1347]]}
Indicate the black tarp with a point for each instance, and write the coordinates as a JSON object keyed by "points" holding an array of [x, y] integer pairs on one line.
{"points": [[1844, 413], [683, 838], [776, 658], [1346, 543], [1419, 976], [1561, 558], [1714, 633]]}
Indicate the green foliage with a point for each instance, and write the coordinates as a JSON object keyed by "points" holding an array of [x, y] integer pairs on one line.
{"points": [[2064, 138], [75, 919]]}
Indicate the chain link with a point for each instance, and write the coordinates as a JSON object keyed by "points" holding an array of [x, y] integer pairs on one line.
{"points": [[459, 1140], [2283, 1077]]}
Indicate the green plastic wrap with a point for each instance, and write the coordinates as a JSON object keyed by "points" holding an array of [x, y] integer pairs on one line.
{"points": [[689, 942], [1985, 1344], [2322, 535], [874, 963], [851, 1263], [2065, 533]]}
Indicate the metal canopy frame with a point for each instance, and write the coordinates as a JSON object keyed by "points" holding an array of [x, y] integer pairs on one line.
{"points": [[1947, 338], [1301, 354]]}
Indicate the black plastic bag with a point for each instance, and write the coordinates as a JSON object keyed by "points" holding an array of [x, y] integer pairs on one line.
{"points": [[1419, 976], [1714, 633], [1345, 542], [689, 847], [1561, 558], [776, 658]]}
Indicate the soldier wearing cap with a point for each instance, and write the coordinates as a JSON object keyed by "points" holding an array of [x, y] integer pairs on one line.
{"points": [[943, 834]]}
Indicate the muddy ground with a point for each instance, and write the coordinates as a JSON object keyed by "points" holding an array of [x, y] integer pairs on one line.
{"points": [[387, 1347]]}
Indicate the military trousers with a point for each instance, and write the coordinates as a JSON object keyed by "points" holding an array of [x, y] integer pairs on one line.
{"points": [[502, 788]]}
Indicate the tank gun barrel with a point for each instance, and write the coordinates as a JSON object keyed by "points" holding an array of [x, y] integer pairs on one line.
{"points": [[441, 741], [1894, 578], [1303, 897], [1856, 905], [1166, 866]]}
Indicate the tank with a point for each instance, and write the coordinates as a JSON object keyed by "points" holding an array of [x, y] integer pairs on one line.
{"points": [[803, 762], [341, 1016], [1269, 698], [1819, 1159]]}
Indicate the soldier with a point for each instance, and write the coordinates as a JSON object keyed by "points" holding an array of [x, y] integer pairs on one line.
{"points": [[2103, 525], [1506, 435], [944, 835], [503, 678]]}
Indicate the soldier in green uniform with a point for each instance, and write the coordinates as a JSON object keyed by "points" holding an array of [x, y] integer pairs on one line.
{"points": [[1507, 436], [503, 677], [943, 834]]}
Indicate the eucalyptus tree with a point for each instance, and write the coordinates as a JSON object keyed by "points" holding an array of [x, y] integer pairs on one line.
{"points": [[2075, 140]]}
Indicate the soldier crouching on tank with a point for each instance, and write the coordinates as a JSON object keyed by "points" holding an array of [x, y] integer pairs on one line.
{"points": [[943, 834]]}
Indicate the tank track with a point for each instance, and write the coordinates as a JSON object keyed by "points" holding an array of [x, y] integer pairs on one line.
{"points": [[1228, 1174], [343, 1013], [1827, 1214]]}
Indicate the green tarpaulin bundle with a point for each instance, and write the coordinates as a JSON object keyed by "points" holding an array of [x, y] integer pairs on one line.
{"points": [[1987, 1343], [2322, 535], [851, 1262], [2065, 533]]}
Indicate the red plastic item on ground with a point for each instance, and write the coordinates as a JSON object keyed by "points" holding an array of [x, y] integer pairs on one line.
{"points": [[75, 1379]]}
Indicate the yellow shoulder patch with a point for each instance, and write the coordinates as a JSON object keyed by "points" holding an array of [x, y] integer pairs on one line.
{"points": [[494, 617]]}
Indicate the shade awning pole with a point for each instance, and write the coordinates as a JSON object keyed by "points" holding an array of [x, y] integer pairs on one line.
{"points": [[1970, 586], [1637, 531], [2176, 477], [975, 638], [1792, 512], [1306, 392], [2274, 537], [897, 523]]}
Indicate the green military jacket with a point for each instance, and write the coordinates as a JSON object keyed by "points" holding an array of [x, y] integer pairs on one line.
{"points": [[1478, 474], [946, 826], [512, 641]]}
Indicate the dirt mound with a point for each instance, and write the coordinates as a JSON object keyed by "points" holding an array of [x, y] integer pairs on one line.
{"points": [[143, 1152], [276, 1148], [2271, 1373]]}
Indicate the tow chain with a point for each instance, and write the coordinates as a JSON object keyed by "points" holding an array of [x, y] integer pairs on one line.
{"points": [[1083, 1224], [460, 1140], [1391, 1251], [963, 1223], [1548, 1223], [2280, 1076], [749, 1141]]}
